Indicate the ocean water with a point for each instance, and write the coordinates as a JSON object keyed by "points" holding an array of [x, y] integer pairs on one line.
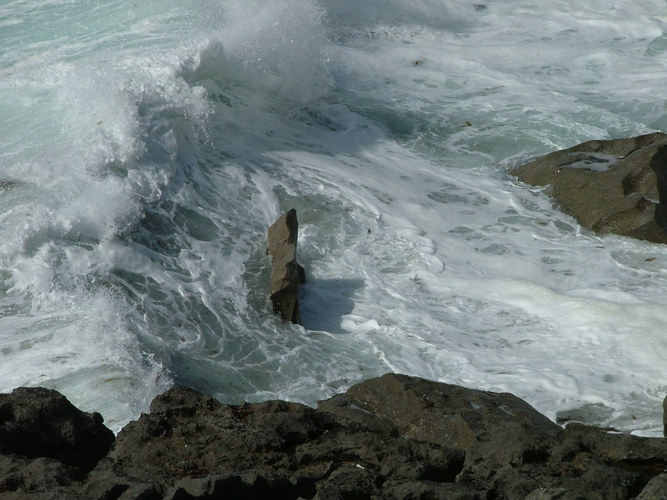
{"points": [[145, 147]]}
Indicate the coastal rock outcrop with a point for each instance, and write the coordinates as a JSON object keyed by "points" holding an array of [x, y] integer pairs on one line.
{"points": [[37, 422], [614, 186], [393, 437], [286, 273], [511, 450]]}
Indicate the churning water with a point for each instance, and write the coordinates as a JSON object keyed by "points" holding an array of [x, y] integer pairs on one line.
{"points": [[145, 147]]}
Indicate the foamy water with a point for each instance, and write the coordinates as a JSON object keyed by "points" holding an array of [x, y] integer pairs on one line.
{"points": [[145, 149]]}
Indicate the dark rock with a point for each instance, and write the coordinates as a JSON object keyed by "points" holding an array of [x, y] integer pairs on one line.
{"points": [[511, 450], [43, 477], [193, 447], [104, 484], [394, 437], [616, 186], [286, 272], [658, 165], [417, 490], [449, 415], [656, 489], [547, 494], [602, 458], [37, 422]]}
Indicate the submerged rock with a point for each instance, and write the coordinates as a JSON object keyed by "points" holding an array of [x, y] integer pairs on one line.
{"points": [[393, 437], [616, 186], [8, 184], [286, 272]]}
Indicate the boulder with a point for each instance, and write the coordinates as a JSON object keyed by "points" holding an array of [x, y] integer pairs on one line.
{"points": [[511, 450], [286, 272], [450, 415], [613, 186], [37, 422]]}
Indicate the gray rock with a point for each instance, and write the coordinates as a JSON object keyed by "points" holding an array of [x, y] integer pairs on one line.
{"points": [[286, 272], [617, 186]]}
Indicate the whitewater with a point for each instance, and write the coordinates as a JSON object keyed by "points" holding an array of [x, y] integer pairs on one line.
{"points": [[145, 147]]}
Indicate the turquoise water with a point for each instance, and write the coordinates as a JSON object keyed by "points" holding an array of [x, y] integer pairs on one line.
{"points": [[145, 148]]}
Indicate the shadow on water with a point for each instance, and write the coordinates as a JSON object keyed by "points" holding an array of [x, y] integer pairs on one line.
{"points": [[324, 302]]}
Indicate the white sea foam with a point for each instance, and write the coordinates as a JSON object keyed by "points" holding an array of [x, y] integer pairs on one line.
{"points": [[277, 48], [144, 150]]}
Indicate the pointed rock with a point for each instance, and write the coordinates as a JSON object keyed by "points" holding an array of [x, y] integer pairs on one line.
{"points": [[286, 273]]}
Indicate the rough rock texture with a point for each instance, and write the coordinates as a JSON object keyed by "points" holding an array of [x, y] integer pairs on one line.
{"points": [[22, 477], [656, 488], [616, 186], [38, 422], [286, 272], [192, 446], [394, 437], [511, 450], [447, 414]]}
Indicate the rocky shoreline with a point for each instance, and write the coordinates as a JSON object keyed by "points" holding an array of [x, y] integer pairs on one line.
{"points": [[392, 437], [395, 436]]}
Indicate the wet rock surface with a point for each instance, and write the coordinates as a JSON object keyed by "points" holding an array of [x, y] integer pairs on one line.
{"points": [[390, 437], [286, 273], [616, 186]]}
